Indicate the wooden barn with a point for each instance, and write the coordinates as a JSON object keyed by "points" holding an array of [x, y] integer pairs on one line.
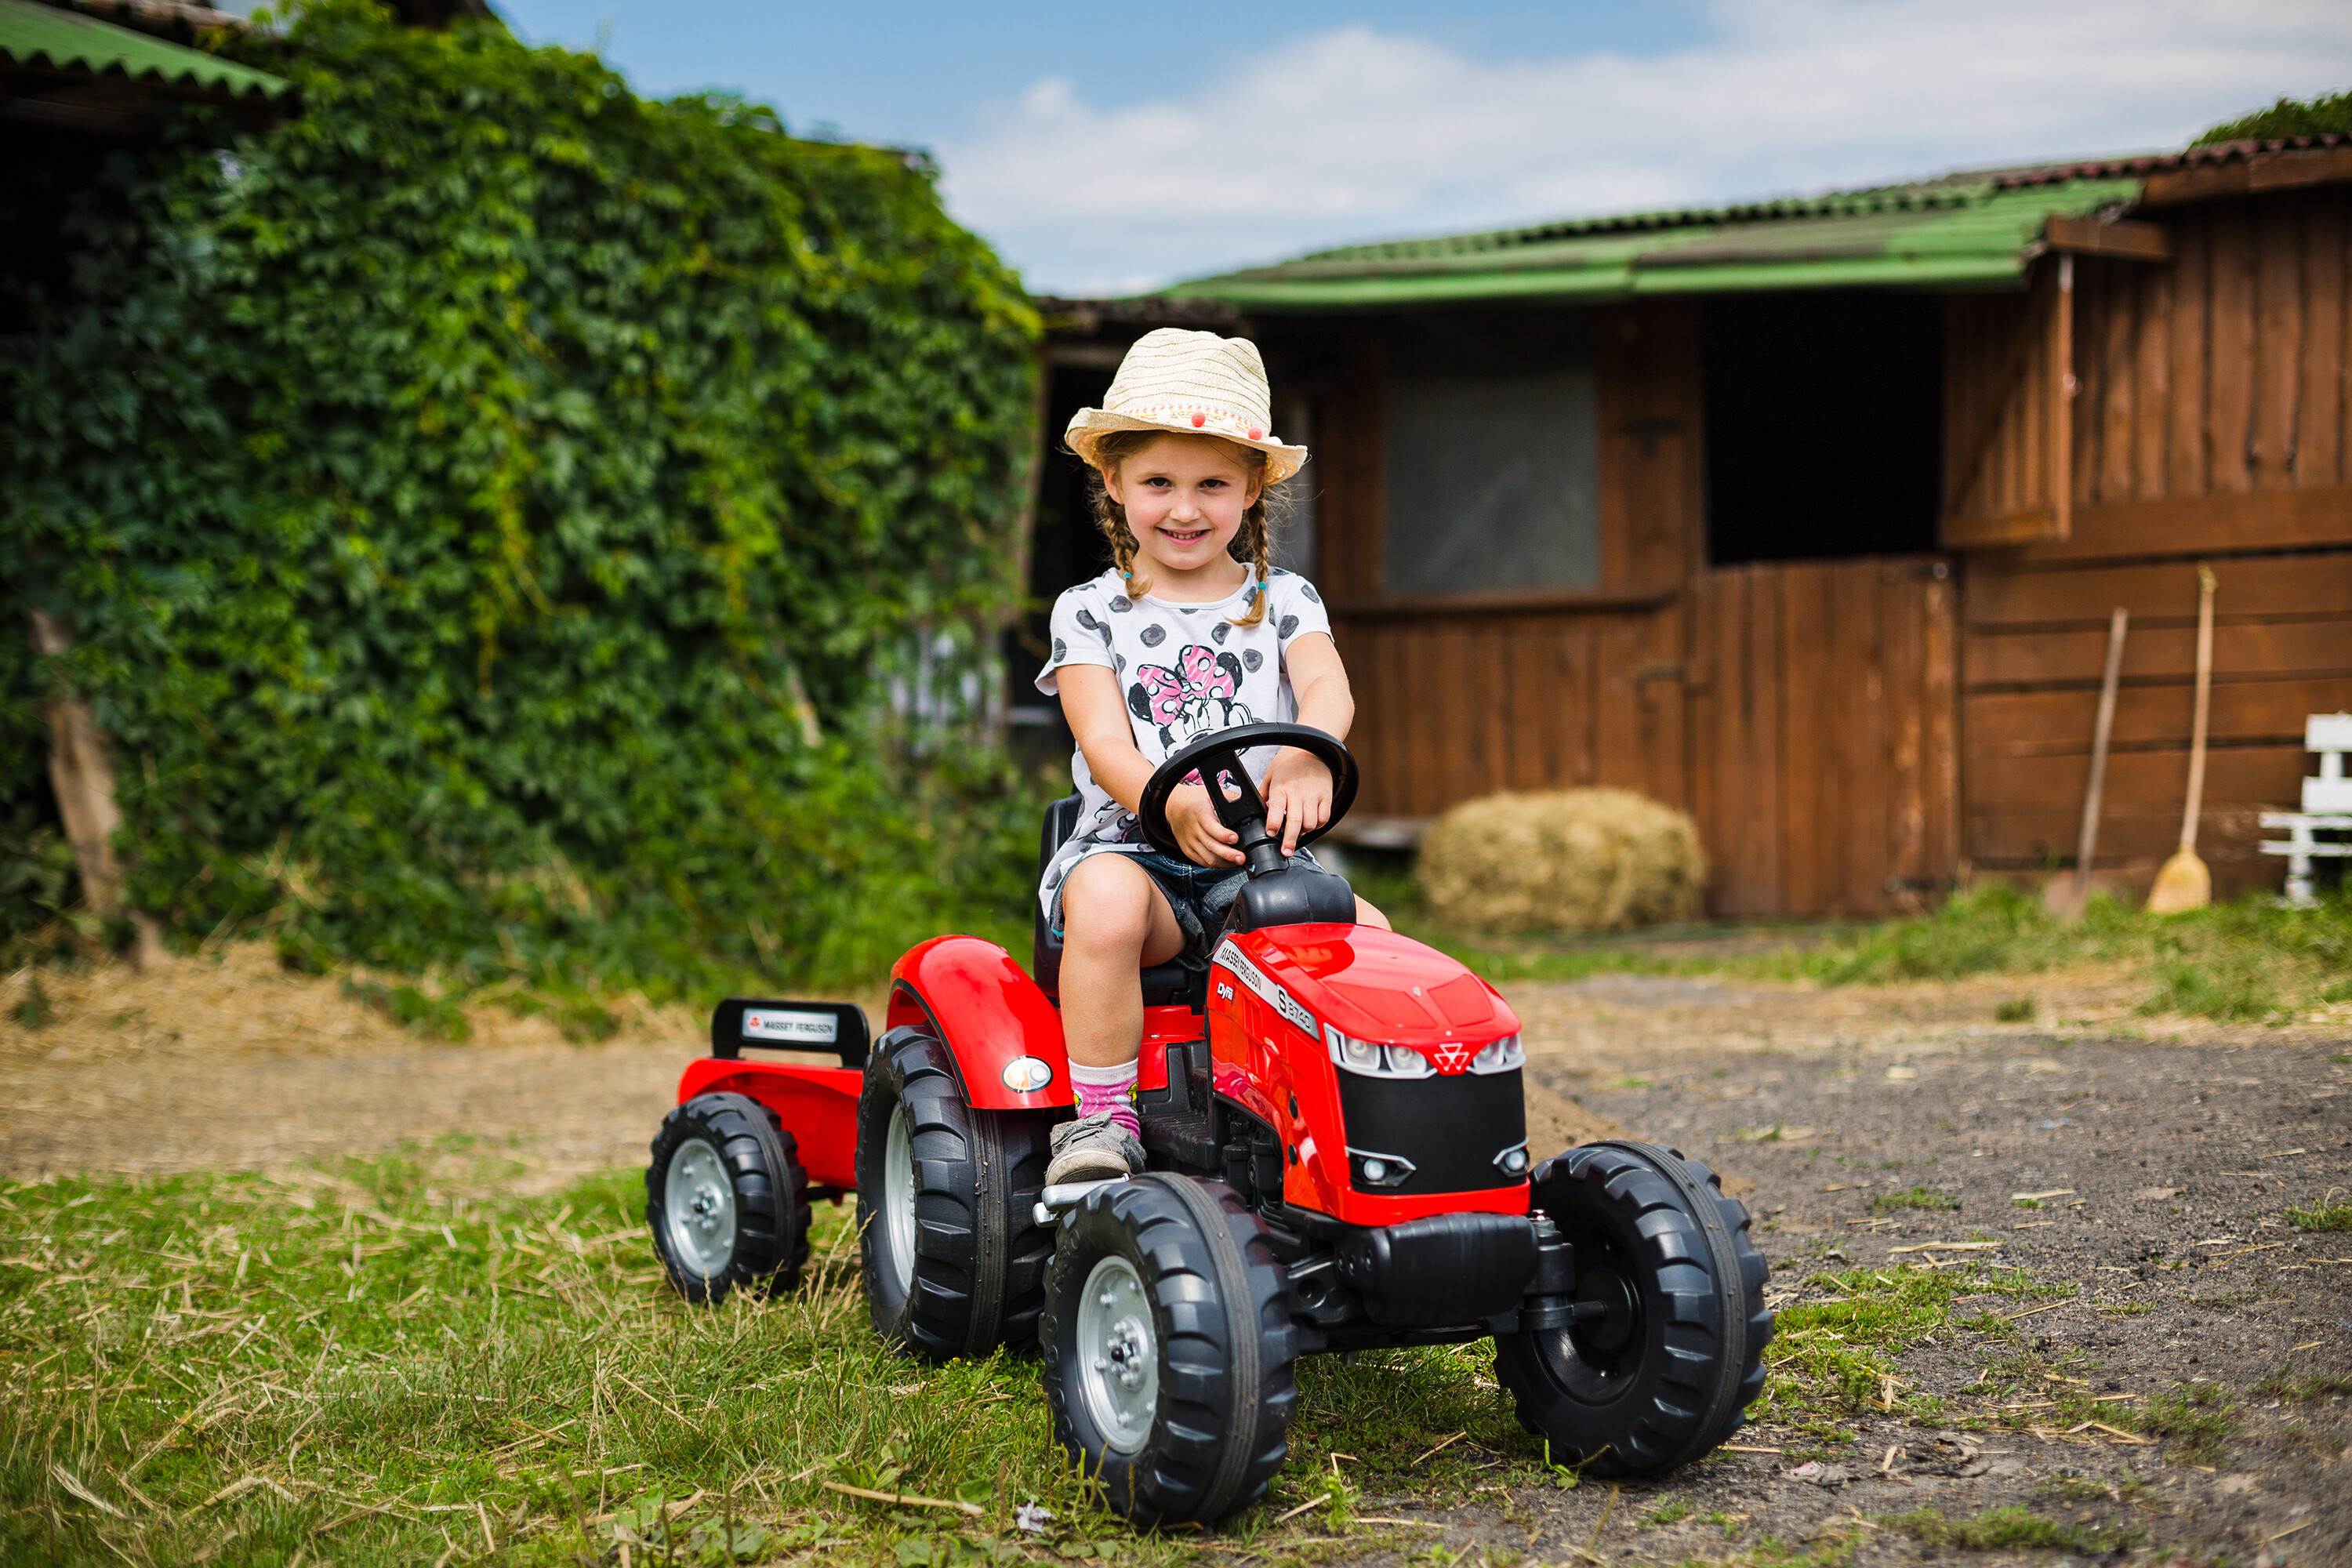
{"points": [[1809, 517]]}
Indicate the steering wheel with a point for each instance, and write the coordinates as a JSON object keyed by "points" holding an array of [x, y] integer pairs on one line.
{"points": [[1219, 752]]}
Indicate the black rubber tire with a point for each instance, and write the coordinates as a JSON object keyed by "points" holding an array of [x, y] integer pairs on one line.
{"points": [[1221, 1309], [1671, 1372], [979, 1275], [770, 1188]]}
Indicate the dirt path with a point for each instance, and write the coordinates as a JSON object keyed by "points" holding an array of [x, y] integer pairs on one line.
{"points": [[2169, 1153], [2168, 1164], [230, 1061]]}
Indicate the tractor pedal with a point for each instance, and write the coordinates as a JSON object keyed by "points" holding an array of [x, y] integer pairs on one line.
{"points": [[1054, 1202]]}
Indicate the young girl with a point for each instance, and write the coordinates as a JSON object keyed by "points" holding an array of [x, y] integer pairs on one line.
{"points": [[1191, 630]]}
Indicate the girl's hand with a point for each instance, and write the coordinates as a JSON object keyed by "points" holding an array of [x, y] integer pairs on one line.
{"points": [[1193, 820], [1297, 796]]}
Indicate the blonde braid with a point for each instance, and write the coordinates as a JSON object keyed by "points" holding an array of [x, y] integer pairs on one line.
{"points": [[1255, 536], [1123, 546], [1109, 516]]}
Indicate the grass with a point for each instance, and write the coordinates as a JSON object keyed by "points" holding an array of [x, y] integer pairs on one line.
{"points": [[2283, 1384], [1833, 1354], [1832, 1545], [2050, 1392], [416, 1009], [2196, 1418], [2230, 985], [394, 1360], [1927, 1199], [2122, 1487], [2321, 1216], [1673, 1511], [34, 1009], [1997, 1528], [2248, 960]]}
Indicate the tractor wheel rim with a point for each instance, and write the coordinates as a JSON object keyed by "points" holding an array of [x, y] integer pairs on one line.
{"points": [[1118, 1355], [898, 1196], [698, 1200], [1599, 1359]]}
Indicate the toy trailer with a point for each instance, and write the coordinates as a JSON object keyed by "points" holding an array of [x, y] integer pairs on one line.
{"points": [[1337, 1157]]}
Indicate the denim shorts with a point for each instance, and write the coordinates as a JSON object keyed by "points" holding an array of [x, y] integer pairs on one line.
{"points": [[1200, 896]]}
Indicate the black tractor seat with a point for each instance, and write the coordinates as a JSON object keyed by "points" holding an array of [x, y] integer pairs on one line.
{"points": [[1164, 984]]}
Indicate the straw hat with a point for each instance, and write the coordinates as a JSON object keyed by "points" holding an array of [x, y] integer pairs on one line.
{"points": [[1191, 383]]}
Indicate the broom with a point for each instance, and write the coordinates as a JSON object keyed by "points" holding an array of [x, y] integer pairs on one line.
{"points": [[2183, 882]]}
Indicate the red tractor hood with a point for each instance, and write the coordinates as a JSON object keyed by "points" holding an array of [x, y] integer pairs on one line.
{"points": [[1373, 984]]}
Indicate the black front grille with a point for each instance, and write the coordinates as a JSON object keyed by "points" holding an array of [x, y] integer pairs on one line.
{"points": [[1451, 1128]]}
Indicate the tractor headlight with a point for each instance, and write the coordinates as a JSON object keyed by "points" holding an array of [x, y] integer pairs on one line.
{"points": [[1373, 1169], [1352, 1055], [1506, 1055]]}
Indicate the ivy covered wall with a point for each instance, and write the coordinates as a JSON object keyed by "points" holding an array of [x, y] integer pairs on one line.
{"points": [[488, 508]]}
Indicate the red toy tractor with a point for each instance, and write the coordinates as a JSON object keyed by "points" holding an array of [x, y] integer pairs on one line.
{"points": [[1338, 1161]]}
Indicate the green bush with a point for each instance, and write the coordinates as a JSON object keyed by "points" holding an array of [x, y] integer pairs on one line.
{"points": [[491, 508]]}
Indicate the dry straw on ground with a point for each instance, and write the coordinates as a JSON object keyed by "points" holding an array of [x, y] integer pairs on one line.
{"points": [[224, 1057], [1579, 860]]}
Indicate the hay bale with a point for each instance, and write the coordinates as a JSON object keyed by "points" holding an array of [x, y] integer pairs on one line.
{"points": [[1576, 860]]}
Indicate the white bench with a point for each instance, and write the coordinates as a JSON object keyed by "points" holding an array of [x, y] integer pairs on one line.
{"points": [[2326, 808]]}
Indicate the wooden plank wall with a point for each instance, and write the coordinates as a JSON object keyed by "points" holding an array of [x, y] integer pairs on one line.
{"points": [[2222, 371], [1824, 755], [2213, 421], [1653, 417], [1998, 383], [1456, 702], [1450, 708]]}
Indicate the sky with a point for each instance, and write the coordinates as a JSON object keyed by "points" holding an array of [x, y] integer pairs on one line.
{"points": [[1109, 148]]}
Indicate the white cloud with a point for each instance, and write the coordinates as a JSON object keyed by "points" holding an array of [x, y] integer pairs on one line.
{"points": [[1353, 134]]}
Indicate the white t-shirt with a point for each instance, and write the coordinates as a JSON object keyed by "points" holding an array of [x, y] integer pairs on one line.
{"points": [[1186, 670]]}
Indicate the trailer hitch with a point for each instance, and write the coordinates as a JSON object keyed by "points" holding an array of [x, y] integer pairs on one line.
{"points": [[1550, 1302]]}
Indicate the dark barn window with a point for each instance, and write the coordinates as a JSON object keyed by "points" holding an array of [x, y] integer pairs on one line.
{"points": [[1823, 426], [1493, 454]]}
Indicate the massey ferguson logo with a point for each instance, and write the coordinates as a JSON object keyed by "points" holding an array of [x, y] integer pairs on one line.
{"points": [[1229, 957], [1451, 1058]]}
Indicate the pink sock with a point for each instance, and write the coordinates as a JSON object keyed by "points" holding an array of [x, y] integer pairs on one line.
{"points": [[1107, 1088]]}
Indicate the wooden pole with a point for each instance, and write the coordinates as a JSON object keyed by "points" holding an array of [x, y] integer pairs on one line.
{"points": [[81, 772], [2087, 842], [2062, 404], [2198, 725]]}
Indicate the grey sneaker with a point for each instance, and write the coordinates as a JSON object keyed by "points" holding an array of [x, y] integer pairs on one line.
{"points": [[1093, 1149]]}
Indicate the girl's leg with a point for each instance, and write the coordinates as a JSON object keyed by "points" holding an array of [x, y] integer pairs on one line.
{"points": [[1114, 921], [1366, 915]]}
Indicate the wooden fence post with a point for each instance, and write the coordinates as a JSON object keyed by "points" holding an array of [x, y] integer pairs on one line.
{"points": [[81, 771]]}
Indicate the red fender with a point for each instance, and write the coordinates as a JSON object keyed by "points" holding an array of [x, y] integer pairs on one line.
{"points": [[818, 1106], [990, 1013]]}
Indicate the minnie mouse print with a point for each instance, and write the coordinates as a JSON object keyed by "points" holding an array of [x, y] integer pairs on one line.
{"points": [[1198, 697]]}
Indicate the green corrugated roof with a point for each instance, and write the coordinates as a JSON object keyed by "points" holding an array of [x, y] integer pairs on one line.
{"points": [[43, 38], [1963, 231]]}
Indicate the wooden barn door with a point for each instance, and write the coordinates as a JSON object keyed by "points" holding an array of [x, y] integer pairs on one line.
{"points": [[1823, 717]]}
